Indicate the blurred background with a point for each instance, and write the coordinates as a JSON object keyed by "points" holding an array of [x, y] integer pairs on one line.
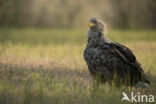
{"points": [[42, 44], [129, 14], [65, 21]]}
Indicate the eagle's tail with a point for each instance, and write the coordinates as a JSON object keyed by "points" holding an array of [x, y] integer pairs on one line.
{"points": [[141, 84]]}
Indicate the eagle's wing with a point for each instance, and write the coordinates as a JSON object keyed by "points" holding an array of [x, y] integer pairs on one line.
{"points": [[130, 61], [124, 52]]}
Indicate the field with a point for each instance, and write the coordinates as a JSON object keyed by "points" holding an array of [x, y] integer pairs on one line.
{"points": [[46, 66]]}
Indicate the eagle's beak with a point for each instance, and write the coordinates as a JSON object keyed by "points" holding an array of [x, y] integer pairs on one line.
{"points": [[90, 24]]}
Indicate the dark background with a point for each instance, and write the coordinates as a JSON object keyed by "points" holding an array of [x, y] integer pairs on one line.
{"points": [[127, 14]]}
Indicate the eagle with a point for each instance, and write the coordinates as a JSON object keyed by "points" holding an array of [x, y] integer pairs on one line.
{"points": [[111, 62]]}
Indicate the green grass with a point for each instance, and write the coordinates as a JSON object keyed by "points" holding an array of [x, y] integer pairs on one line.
{"points": [[68, 36], [46, 66]]}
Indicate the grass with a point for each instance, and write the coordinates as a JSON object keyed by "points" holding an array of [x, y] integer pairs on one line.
{"points": [[43, 66]]}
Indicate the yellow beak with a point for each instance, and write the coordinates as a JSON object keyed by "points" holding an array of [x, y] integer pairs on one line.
{"points": [[90, 24]]}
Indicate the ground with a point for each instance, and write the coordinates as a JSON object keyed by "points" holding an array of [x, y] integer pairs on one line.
{"points": [[46, 66]]}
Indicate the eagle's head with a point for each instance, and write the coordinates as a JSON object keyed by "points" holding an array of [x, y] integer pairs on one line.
{"points": [[96, 25]]}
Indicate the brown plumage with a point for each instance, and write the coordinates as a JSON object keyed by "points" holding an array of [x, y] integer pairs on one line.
{"points": [[110, 61]]}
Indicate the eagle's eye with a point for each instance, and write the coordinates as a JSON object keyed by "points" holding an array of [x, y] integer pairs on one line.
{"points": [[95, 22]]}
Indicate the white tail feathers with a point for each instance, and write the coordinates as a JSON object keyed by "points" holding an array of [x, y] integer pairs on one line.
{"points": [[142, 85]]}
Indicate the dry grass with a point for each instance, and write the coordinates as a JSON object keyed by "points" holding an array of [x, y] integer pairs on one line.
{"points": [[45, 74]]}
